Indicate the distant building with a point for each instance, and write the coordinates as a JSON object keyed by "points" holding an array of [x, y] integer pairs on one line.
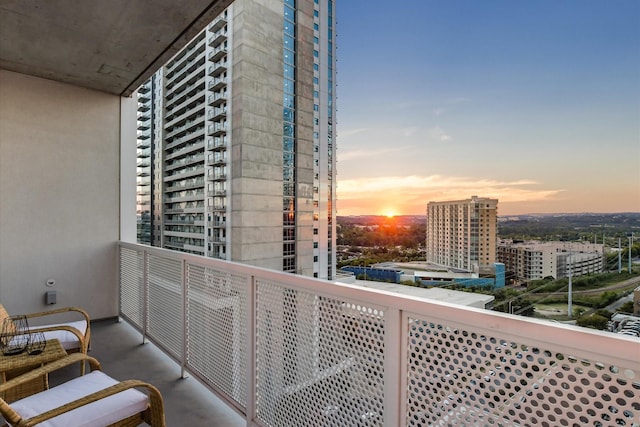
{"points": [[537, 260], [462, 234], [468, 299], [428, 274]]}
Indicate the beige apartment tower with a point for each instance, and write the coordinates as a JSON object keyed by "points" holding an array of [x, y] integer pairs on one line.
{"points": [[236, 144], [462, 234]]}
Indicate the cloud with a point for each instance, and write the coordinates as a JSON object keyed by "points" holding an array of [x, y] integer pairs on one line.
{"points": [[361, 153], [410, 194], [349, 132], [439, 134], [383, 135], [410, 131]]}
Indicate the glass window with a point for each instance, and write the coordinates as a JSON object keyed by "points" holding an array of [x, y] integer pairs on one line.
{"points": [[287, 129], [287, 159], [287, 115], [289, 13], [288, 42], [289, 57], [288, 86], [288, 100], [289, 28], [288, 189], [287, 144], [289, 71]]}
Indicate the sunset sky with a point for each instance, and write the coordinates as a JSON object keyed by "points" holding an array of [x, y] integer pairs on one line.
{"points": [[535, 103]]}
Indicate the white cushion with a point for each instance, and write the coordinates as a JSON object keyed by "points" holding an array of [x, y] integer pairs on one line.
{"points": [[68, 339], [96, 414]]}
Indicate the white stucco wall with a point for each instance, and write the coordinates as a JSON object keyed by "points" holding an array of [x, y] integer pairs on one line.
{"points": [[59, 195]]}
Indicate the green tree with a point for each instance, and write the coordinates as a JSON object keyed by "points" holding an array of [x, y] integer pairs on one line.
{"points": [[594, 321]]}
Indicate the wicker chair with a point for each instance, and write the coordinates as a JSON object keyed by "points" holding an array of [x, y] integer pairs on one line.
{"points": [[89, 400], [73, 336]]}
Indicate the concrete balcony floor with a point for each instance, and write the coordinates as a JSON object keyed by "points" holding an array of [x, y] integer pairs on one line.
{"points": [[119, 349]]}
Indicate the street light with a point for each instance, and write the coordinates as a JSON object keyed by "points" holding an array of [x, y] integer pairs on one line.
{"points": [[630, 245], [569, 295], [516, 307]]}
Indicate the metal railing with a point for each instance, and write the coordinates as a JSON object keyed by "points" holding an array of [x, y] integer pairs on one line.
{"points": [[285, 350]]}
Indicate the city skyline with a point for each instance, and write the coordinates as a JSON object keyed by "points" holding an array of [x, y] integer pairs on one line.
{"points": [[533, 103]]}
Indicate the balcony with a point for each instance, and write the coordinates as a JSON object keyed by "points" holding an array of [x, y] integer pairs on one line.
{"points": [[263, 341], [218, 68], [216, 144], [267, 342], [218, 23], [218, 53], [218, 37]]}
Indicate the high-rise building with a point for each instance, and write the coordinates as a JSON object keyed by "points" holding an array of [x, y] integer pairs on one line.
{"points": [[236, 140], [462, 234]]}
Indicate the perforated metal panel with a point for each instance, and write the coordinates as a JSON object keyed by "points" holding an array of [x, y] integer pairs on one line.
{"points": [[319, 360], [165, 316], [460, 377], [132, 286], [216, 329]]}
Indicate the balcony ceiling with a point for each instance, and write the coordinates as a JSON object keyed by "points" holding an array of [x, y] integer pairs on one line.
{"points": [[111, 46]]}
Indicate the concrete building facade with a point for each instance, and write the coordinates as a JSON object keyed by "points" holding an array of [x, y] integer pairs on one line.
{"points": [[537, 260], [462, 234], [236, 142]]}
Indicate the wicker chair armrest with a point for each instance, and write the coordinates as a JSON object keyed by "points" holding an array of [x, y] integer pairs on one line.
{"points": [[50, 367], [156, 404], [82, 339], [79, 310]]}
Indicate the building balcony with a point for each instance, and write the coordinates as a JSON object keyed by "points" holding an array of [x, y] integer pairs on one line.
{"points": [[216, 99], [218, 68], [217, 129], [216, 144], [267, 341], [217, 83], [218, 37], [217, 177], [217, 208], [218, 53], [218, 23], [218, 113], [216, 160]]}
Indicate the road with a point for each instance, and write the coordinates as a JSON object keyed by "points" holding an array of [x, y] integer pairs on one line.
{"points": [[614, 287]]}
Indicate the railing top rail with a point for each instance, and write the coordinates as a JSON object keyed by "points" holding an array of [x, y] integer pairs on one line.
{"points": [[587, 343]]}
